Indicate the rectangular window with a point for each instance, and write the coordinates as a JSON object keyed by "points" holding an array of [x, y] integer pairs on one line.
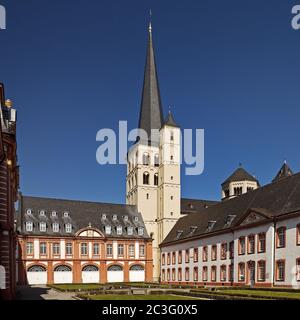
{"points": [[142, 250], [187, 256], [119, 230], [298, 235], [43, 227], [29, 248], [120, 250], [168, 258], [261, 265], [187, 274], [298, 269], [241, 275], [224, 251], [213, 273], [96, 249], [281, 237], [196, 274], [109, 250], [213, 252], [241, 245], [179, 274], [168, 275], [180, 257], [231, 272], [262, 242], [84, 249], [56, 248], [251, 244], [69, 249], [204, 274], [163, 259], [195, 254], [173, 257], [163, 275], [131, 250], [43, 248], [205, 254], [231, 250], [29, 226], [173, 274], [55, 227], [280, 272], [223, 274]]}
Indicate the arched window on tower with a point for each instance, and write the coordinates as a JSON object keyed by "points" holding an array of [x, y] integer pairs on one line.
{"points": [[146, 159], [156, 160], [172, 136], [146, 178], [156, 179]]}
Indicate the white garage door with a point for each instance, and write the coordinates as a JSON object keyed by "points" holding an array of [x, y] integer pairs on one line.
{"points": [[137, 273], [37, 275], [63, 274], [115, 274], [90, 274]]}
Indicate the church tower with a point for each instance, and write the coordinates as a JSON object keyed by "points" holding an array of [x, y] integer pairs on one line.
{"points": [[153, 164]]}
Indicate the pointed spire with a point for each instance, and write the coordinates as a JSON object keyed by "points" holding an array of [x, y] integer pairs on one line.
{"points": [[170, 121], [284, 172], [151, 116]]}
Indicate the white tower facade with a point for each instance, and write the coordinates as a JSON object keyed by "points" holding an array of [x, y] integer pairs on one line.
{"points": [[153, 166]]}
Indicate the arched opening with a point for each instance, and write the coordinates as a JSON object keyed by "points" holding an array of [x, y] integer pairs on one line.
{"points": [[63, 274], [156, 179], [36, 274], [90, 274], [146, 159], [115, 273], [146, 178], [136, 273]]}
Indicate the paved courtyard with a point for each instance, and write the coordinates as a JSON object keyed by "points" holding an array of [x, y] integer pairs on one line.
{"points": [[41, 292]]}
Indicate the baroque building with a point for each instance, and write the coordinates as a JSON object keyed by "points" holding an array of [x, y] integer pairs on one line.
{"points": [[9, 183]]}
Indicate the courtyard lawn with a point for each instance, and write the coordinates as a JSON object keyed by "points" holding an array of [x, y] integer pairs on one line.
{"points": [[262, 294], [76, 287], [136, 297]]}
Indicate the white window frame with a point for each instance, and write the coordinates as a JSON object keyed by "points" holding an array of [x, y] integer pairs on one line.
{"points": [[130, 231], [119, 230], [83, 249], [97, 247], [108, 229], [68, 227], [29, 226], [66, 214], [69, 248], [56, 248], [54, 214], [43, 226], [29, 248], [43, 248], [55, 227], [140, 231], [131, 250]]}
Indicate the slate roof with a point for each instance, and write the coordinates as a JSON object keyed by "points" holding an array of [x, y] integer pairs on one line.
{"points": [[195, 205], [170, 121], [285, 171], [240, 174], [82, 214], [151, 115], [277, 198]]}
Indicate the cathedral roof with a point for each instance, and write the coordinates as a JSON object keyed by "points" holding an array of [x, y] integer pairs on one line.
{"points": [[81, 214], [240, 174], [170, 121], [285, 171], [151, 115], [265, 203]]}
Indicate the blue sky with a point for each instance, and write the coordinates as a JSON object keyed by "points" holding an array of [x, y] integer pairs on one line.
{"points": [[74, 67]]}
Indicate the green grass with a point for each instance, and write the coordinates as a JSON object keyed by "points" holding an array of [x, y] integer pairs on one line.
{"points": [[75, 287], [137, 297], [262, 293]]}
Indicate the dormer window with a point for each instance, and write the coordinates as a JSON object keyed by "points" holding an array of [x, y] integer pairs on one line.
{"points": [[42, 212], [140, 231], [108, 229], [28, 211], [210, 225], [179, 234], [68, 228], [229, 220], [119, 230], [54, 214], [115, 217], [29, 226], [193, 229], [43, 226], [136, 219], [103, 216], [66, 214], [125, 218], [130, 231], [55, 227]]}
